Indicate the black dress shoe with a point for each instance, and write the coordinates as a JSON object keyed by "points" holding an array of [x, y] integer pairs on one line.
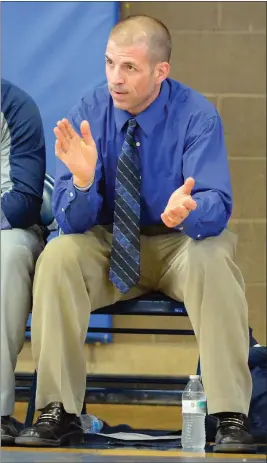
{"points": [[232, 435], [53, 428], [10, 429]]}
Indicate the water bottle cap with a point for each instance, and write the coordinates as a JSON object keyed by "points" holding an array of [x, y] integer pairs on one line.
{"points": [[194, 376]]}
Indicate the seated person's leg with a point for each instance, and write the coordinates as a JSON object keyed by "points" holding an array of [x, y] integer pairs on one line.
{"points": [[71, 280], [203, 274], [19, 252]]}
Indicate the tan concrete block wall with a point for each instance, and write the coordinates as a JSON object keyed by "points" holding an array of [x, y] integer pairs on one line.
{"points": [[219, 48]]}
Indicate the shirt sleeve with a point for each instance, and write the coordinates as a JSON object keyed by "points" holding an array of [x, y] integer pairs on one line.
{"points": [[5, 225], [21, 204], [76, 211], [205, 159]]}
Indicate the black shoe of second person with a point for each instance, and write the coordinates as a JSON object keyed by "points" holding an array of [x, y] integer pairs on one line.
{"points": [[10, 429]]}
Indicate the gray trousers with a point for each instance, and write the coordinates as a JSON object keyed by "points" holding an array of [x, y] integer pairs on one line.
{"points": [[19, 252]]}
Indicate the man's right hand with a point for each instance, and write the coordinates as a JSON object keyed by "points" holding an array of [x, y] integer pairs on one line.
{"points": [[79, 154]]}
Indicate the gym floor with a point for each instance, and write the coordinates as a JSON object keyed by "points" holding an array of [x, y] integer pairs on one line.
{"points": [[23, 455]]}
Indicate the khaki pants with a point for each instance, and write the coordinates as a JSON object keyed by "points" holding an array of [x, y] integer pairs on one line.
{"points": [[71, 280]]}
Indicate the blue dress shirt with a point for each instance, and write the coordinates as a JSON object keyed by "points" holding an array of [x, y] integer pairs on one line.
{"points": [[179, 135]]}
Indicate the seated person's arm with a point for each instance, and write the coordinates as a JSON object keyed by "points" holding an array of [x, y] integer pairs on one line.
{"points": [[76, 208], [23, 163], [204, 160]]}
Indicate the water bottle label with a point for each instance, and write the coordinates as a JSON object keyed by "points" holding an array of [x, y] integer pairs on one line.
{"points": [[194, 406]]}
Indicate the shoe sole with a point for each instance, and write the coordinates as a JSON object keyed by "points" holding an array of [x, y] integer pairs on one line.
{"points": [[235, 448], [68, 439], [7, 440]]}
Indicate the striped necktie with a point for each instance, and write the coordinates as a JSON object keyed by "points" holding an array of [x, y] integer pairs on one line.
{"points": [[125, 252]]}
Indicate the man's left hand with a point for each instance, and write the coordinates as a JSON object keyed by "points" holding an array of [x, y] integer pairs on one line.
{"points": [[179, 205]]}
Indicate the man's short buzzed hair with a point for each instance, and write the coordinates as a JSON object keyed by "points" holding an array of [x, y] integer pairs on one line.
{"points": [[142, 28]]}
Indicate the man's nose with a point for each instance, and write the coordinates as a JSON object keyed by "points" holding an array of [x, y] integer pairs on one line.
{"points": [[116, 77]]}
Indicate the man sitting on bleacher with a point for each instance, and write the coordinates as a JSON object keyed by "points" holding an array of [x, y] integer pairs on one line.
{"points": [[22, 240], [143, 196]]}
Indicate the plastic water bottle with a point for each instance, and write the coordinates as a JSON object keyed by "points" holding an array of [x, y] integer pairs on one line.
{"points": [[91, 424], [194, 405]]}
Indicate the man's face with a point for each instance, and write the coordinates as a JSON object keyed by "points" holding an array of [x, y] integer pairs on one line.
{"points": [[132, 80]]}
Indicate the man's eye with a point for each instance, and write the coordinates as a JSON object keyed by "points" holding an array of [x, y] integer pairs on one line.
{"points": [[130, 67]]}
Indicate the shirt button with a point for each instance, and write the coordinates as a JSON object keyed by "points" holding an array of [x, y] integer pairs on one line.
{"points": [[71, 194], [63, 210], [138, 143], [181, 228], [198, 236]]}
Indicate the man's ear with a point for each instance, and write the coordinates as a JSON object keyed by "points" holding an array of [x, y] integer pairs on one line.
{"points": [[162, 72]]}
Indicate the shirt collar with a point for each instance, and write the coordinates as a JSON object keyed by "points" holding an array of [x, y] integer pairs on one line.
{"points": [[148, 118]]}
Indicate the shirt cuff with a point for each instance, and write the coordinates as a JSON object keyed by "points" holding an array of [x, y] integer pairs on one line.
{"points": [[190, 226], [72, 193]]}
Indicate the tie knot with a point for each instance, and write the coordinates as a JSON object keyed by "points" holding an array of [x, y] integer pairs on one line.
{"points": [[131, 125]]}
